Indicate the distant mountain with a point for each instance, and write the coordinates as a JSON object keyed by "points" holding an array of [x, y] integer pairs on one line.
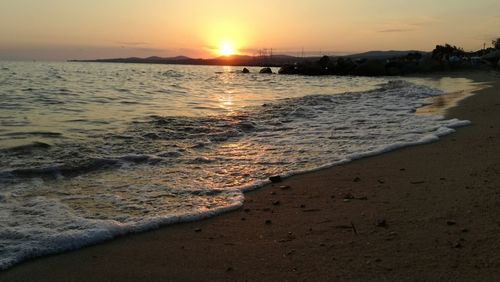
{"points": [[245, 60], [235, 60], [382, 55]]}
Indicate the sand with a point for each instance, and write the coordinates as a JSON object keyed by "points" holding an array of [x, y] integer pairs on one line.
{"points": [[430, 212]]}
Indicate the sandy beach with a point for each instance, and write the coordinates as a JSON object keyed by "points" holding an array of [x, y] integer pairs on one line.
{"points": [[424, 213]]}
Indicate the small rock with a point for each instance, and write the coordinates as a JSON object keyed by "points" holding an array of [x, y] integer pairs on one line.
{"points": [[276, 203], [302, 206], [246, 210], [285, 187], [269, 221], [197, 230], [458, 245], [465, 230], [451, 222], [266, 70], [243, 219], [356, 179], [348, 196], [381, 223], [275, 179], [229, 269], [402, 169], [273, 193], [381, 181], [245, 70]]}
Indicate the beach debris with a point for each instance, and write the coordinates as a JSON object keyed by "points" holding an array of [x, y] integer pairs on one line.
{"points": [[350, 196], [347, 226], [285, 187], [451, 222], [275, 179], [381, 223], [312, 210], [354, 228], [276, 203], [245, 70], [356, 179], [266, 70], [343, 226], [268, 221]]}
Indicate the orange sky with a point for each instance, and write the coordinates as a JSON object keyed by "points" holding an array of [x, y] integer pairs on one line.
{"points": [[67, 29]]}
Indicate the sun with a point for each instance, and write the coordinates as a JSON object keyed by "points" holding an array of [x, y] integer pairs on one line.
{"points": [[226, 48]]}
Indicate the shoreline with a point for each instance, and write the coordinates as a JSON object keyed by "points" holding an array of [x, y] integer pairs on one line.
{"points": [[349, 222]]}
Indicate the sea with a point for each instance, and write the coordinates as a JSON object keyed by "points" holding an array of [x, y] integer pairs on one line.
{"points": [[90, 151]]}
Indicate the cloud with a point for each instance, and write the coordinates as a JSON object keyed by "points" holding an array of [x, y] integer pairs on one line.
{"points": [[396, 30], [406, 25], [132, 43]]}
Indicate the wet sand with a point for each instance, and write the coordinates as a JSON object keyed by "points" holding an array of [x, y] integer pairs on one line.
{"points": [[428, 212]]}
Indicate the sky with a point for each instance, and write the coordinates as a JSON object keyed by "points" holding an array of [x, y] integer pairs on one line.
{"points": [[76, 29]]}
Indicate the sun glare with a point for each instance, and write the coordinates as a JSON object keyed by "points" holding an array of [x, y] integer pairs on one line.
{"points": [[226, 49]]}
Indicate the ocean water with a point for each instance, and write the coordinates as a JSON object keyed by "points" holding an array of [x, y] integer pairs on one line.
{"points": [[90, 151]]}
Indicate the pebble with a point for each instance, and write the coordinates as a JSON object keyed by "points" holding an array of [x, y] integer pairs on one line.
{"points": [[276, 203], [381, 223], [197, 230], [269, 221], [451, 222], [275, 179]]}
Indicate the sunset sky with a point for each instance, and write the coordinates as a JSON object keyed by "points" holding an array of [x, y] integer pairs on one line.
{"points": [[75, 29]]}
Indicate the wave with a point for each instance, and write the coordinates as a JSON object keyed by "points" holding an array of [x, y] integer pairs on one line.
{"points": [[80, 167]]}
